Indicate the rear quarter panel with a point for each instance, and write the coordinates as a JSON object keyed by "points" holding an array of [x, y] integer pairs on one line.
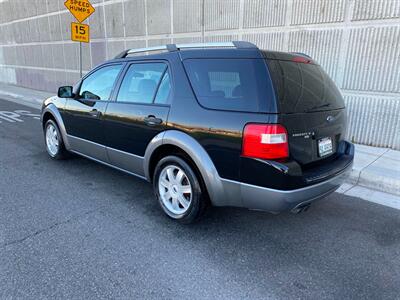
{"points": [[218, 131]]}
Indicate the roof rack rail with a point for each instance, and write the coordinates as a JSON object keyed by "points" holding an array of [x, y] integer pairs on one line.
{"points": [[176, 47], [125, 53]]}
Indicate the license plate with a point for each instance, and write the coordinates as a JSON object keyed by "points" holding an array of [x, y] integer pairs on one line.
{"points": [[325, 146]]}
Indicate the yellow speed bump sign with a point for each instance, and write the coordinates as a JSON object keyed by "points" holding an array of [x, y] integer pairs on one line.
{"points": [[81, 9], [79, 32]]}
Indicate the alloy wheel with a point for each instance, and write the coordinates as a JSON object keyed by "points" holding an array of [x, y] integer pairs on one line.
{"points": [[52, 141], [175, 190]]}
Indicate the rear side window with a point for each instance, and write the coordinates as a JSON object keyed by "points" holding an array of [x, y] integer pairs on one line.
{"points": [[303, 87], [230, 84], [164, 90], [140, 82]]}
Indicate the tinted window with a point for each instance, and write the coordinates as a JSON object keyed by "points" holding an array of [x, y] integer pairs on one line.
{"points": [[230, 84], [303, 87], [98, 85], [140, 82], [163, 90]]}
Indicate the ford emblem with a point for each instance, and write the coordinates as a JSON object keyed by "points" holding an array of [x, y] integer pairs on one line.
{"points": [[330, 119]]}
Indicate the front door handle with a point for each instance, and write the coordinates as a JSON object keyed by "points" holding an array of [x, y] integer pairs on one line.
{"points": [[152, 120], [94, 113]]}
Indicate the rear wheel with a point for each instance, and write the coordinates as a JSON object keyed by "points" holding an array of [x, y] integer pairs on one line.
{"points": [[178, 190], [53, 139]]}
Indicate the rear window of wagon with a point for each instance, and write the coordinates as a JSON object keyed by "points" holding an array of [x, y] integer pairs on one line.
{"points": [[302, 88]]}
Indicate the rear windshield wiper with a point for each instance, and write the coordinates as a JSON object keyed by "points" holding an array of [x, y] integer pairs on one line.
{"points": [[317, 107]]}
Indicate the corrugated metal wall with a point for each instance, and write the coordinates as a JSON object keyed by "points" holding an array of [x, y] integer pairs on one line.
{"points": [[356, 41]]}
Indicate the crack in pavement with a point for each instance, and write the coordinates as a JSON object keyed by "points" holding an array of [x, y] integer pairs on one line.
{"points": [[55, 225], [362, 169]]}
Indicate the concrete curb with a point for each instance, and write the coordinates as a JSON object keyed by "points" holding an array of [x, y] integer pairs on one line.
{"points": [[374, 168]]}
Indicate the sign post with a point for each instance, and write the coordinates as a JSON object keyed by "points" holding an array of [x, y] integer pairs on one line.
{"points": [[81, 10]]}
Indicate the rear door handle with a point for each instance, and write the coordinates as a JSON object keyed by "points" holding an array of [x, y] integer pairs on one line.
{"points": [[152, 120], [94, 113]]}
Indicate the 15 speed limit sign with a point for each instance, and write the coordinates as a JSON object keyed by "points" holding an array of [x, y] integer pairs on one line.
{"points": [[79, 32]]}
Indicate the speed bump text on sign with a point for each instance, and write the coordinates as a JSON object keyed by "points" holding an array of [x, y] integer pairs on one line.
{"points": [[79, 32], [81, 9]]}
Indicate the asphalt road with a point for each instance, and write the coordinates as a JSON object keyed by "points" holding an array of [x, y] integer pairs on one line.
{"points": [[76, 229]]}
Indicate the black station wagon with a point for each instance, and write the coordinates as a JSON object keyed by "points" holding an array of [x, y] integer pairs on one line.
{"points": [[225, 124]]}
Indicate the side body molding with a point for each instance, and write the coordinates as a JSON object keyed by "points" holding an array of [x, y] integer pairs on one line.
{"points": [[53, 110], [214, 184]]}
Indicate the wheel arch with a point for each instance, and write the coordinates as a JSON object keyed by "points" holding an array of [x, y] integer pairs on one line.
{"points": [[51, 112], [174, 139], [47, 116]]}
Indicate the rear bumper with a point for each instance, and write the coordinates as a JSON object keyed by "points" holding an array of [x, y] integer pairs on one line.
{"points": [[255, 197], [274, 200]]}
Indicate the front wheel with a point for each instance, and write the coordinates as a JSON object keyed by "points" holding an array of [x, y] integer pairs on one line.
{"points": [[178, 190], [53, 139]]}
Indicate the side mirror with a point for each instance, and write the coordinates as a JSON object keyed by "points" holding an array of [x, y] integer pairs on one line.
{"points": [[65, 92], [90, 96]]}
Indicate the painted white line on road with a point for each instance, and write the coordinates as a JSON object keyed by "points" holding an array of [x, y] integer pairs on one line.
{"points": [[370, 195], [15, 116], [10, 116]]}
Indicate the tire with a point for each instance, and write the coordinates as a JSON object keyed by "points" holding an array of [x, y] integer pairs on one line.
{"points": [[53, 141], [174, 178]]}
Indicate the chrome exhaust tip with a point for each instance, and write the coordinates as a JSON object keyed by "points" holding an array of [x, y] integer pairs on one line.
{"points": [[301, 208]]}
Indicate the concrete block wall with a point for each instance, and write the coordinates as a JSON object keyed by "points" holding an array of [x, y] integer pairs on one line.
{"points": [[356, 41]]}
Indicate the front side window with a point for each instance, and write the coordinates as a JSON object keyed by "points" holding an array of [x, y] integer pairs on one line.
{"points": [[140, 82], [99, 84], [229, 84]]}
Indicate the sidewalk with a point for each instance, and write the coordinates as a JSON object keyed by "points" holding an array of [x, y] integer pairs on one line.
{"points": [[375, 176], [377, 168], [374, 168], [28, 97]]}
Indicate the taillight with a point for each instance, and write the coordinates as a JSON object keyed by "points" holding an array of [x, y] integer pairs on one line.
{"points": [[266, 141]]}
